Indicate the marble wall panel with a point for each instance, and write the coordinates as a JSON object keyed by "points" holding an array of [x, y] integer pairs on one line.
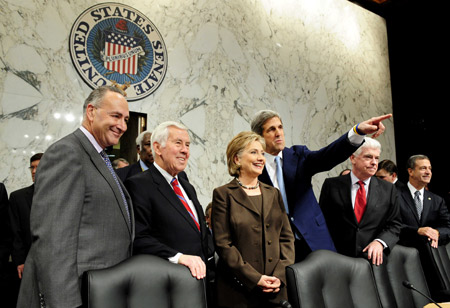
{"points": [[322, 64]]}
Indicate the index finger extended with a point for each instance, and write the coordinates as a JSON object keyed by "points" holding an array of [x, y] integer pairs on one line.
{"points": [[381, 118]]}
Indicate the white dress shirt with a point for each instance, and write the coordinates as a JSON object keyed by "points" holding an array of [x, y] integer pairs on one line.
{"points": [[169, 178]]}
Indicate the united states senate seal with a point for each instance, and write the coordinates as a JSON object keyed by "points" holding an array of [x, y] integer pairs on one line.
{"points": [[114, 44]]}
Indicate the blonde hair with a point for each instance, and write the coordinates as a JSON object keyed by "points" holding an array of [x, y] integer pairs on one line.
{"points": [[237, 145]]}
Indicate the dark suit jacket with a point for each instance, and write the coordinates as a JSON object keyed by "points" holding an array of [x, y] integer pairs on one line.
{"points": [[249, 242], [19, 209], [381, 219], [78, 222], [5, 233], [435, 215], [399, 185], [299, 166], [163, 226], [125, 172]]}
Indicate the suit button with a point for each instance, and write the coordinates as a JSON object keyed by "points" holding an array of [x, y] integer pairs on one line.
{"points": [[269, 242], [267, 225], [270, 259]]}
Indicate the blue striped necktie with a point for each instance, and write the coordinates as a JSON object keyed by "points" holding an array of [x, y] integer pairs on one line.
{"points": [[113, 173], [281, 182]]}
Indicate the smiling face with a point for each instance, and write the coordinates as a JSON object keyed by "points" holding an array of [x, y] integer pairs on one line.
{"points": [[173, 157], [420, 176], [251, 160], [108, 122], [273, 134], [365, 164]]}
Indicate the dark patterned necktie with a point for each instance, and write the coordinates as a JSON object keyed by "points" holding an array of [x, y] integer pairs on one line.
{"points": [[418, 203], [113, 173]]}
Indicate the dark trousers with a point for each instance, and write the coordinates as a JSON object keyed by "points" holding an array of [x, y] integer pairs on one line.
{"points": [[302, 250]]}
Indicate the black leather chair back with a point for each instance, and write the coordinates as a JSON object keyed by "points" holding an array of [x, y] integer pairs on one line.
{"points": [[442, 259], [403, 263], [326, 279], [142, 281]]}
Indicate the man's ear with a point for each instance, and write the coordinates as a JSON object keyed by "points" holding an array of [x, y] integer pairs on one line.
{"points": [[157, 148], [410, 171], [90, 109]]}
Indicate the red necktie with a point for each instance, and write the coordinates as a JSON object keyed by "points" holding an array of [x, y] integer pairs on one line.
{"points": [[176, 188], [360, 201]]}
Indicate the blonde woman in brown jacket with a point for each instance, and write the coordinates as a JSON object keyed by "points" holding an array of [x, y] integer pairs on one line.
{"points": [[251, 230]]}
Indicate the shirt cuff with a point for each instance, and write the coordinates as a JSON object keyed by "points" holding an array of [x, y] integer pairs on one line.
{"points": [[175, 258], [354, 138], [382, 243]]}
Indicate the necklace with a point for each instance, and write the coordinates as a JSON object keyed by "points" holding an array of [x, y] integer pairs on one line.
{"points": [[247, 187]]}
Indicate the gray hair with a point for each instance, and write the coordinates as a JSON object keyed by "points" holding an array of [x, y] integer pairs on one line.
{"points": [[161, 132], [368, 143], [411, 163], [95, 98], [140, 138], [260, 118]]}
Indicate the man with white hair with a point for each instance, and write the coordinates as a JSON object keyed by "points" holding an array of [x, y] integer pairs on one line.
{"points": [[169, 218], [361, 211]]}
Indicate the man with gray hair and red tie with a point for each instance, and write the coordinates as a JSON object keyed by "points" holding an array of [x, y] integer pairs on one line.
{"points": [[169, 218], [361, 211]]}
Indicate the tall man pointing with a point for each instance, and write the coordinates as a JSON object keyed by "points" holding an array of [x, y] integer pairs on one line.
{"points": [[291, 170]]}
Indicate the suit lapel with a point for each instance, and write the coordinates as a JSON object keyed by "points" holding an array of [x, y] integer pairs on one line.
{"points": [[167, 191], [427, 204], [241, 197], [345, 192], [268, 201], [372, 199], [100, 164], [406, 195], [29, 195], [189, 189], [289, 167]]}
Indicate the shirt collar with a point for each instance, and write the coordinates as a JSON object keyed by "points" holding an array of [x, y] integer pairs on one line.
{"points": [[91, 139], [356, 180], [164, 173], [143, 165], [271, 158], [412, 189]]}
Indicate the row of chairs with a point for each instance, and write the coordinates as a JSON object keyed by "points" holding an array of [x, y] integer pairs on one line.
{"points": [[323, 279], [327, 279]]}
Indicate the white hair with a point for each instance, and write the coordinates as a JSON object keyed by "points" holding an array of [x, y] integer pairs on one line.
{"points": [[140, 138], [368, 143], [161, 132]]}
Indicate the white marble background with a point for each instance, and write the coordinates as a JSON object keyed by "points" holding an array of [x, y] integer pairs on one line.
{"points": [[323, 64]]}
